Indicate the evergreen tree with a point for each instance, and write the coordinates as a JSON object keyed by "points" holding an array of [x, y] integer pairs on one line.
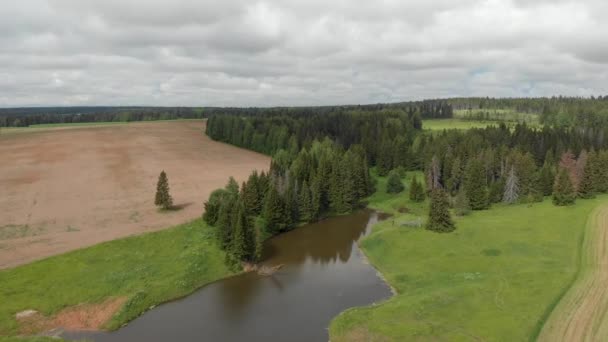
{"points": [[462, 206], [511, 193], [259, 240], [416, 190], [212, 206], [275, 212], [439, 219], [250, 193], [433, 174], [224, 221], [305, 203], [240, 242], [475, 185], [546, 178], [497, 190], [394, 184], [587, 187], [163, 199], [232, 186], [563, 191]]}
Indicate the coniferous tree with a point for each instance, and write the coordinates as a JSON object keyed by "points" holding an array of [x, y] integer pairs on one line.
{"points": [[511, 193], [546, 178], [496, 191], [224, 221], [587, 187], [439, 219], [240, 243], [394, 184], [416, 190], [305, 203], [163, 199], [475, 185], [212, 206], [275, 212], [563, 191], [462, 206]]}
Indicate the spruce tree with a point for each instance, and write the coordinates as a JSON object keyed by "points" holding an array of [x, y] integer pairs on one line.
{"points": [[394, 184], [163, 198], [224, 221], [587, 187], [275, 212], [305, 203], [439, 219], [496, 191], [462, 206], [511, 193], [212, 206], [563, 191], [546, 178], [416, 190], [475, 185]]}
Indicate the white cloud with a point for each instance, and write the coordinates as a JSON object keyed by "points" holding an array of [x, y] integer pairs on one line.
{"points": [[292, 52]]}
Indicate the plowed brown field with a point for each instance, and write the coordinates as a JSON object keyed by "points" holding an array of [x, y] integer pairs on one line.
{"points": [[65, 189]]}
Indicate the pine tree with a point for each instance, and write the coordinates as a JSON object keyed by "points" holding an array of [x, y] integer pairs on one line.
{"points": [[568, 162], [462, 206], [416, 190], [239, 249], [212, 206], [439, 219], [475, 185], [546, 178], [224, 221], [511, 193], [433, 174], [259, 242], [394, 184], [497, 190], [275, 212], [305, 203], [563, 191], [163, 198], [587, 187]]}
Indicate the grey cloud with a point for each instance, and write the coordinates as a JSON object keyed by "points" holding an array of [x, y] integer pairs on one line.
{"points": [[292, 52]]}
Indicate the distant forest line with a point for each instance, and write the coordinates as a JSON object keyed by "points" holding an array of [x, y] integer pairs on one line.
{"points": [[554, 111]]}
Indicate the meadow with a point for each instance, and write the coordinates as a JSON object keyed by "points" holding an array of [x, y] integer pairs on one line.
{"points": [[441, 124], [497, 277], [143, 270]]}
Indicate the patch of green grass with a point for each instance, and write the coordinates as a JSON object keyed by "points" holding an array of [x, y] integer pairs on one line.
{"points": [[441, 124], [495, 278], [148, 269]]}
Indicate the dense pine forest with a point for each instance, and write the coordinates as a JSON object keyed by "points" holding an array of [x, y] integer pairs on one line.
{"points": [[321, 166]]}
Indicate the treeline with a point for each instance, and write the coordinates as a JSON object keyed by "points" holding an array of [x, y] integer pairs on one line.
{"points": [[557, 110], [23, 117], [384, 136], [497, 164], [300, 187]]}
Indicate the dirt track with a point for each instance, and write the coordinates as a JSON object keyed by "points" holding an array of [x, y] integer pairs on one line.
{"points": [[65, 189], [581, 313]]}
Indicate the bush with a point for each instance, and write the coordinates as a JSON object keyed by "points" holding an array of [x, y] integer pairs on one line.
{"points": [[394, 184]]}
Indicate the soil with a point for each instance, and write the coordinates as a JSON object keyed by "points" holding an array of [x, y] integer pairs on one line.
{"points": [[62, 190], [81, 317], [581, 313]]}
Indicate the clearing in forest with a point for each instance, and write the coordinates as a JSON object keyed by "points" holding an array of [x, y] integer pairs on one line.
{"points": [[581, 314], [70, 188]]}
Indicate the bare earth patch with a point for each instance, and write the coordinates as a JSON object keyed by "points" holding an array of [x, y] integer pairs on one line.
{"points": [[66, 189], [581, 313], [76, 318]]}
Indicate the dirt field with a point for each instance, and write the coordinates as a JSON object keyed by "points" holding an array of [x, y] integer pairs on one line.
{"points": [[65, 189], [581, 313]]}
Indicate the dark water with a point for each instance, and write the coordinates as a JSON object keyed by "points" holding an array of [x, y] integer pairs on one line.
{"points": [[323, 274]]}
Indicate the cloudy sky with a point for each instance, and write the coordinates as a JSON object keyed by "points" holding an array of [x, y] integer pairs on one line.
{"points": [[289, 52]]}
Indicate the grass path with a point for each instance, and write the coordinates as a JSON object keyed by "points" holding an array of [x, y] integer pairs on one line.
{"points": [[581, 313]]}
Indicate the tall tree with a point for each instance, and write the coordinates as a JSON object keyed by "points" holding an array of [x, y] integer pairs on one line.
{"points": [[563, 191], [440, 219], [568, 163], [394, 184], [547, 178], [462, 206], [305, 203], [275, 213], [416, 190], [475, 185], [587, 186], [163, 199], [511, 194], [433, 174]]}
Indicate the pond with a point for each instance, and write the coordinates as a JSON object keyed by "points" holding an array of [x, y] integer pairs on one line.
{"points": [[323, 273]]}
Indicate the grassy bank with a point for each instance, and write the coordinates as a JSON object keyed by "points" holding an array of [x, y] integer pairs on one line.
{"points": [[441, 124], [496, 278], [148, 269]]}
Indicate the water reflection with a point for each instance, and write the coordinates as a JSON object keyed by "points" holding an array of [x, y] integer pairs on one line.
{"points": [[322, 275]]}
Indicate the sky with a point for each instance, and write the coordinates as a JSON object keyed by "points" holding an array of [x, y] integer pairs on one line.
{"points": [[294, 53]]}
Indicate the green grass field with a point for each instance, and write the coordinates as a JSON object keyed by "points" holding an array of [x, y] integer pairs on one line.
{"points": [[441, 124], [148, 269], [496, 278]]}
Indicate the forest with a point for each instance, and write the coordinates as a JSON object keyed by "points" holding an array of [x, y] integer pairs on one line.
{"points": [[321, 166]]}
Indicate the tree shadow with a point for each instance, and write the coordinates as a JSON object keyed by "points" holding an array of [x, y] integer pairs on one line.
{"points": [[178, 207]]}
